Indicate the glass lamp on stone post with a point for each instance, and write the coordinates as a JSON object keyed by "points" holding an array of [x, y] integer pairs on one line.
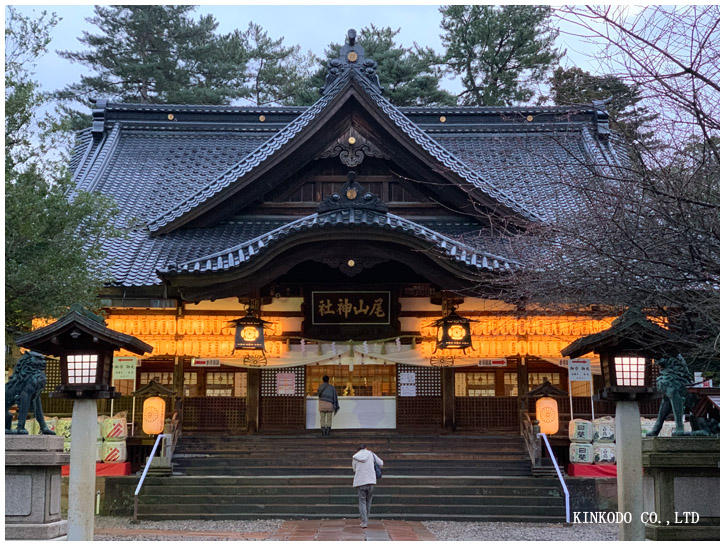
{"points": [[628, 375], [626, 351], [85, 348]]}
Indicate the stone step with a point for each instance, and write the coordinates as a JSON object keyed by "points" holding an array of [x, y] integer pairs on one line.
{"points": [[346, 462], [494, 470], [322, 489], [346, 480], [350, 498], [529, 518], [323, 509]]}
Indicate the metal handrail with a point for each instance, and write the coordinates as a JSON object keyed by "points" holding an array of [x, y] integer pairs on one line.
{"points": [[143, 475], [558, 473]]}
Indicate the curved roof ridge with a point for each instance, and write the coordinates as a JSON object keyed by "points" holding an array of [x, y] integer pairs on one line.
{"points": [[450, 160], [249, 162], [235, 255]]}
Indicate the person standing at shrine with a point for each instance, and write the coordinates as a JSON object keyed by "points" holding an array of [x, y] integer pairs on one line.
{"points": [[327, 404], [363, 463]]}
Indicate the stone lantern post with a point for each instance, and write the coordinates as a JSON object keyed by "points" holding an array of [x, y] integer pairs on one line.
{"points": [[85, 348], [626, 351]]}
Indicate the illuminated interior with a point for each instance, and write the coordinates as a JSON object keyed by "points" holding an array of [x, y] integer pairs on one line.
{"points": [[82, 369], [366, 380], [630, 370]]}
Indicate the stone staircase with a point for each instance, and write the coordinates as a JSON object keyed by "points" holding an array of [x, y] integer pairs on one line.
{"points": [[452, 477]]}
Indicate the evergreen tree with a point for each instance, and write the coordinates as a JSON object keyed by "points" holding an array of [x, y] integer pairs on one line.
{"points": [[409, 76], [626, 115], [52, 252], [274, 72], [500, 52], [158, 54]]}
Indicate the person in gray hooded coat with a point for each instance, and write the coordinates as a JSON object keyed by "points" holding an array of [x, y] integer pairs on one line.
{"points": [[363, 465]]}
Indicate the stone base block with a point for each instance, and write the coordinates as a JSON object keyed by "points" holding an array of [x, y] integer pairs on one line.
{"points": [[682, 532], [36, 531]]}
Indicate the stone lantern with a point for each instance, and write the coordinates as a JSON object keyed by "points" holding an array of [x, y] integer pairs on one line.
{"points": [[85, 348], [626, 351]]}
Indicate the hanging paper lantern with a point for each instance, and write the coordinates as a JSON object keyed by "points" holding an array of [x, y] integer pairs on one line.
{"points": [[154, 410], [547, 413]]}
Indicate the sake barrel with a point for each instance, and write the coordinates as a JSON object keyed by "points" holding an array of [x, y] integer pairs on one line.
{"points": [[63, 428], [114, 428], [101, 419], [51, 423], [604, 430], [668, 427], [32, 426], [581, 453], [604, 453], [114, 451], [66, 446], [580, 431], [646, 425]]}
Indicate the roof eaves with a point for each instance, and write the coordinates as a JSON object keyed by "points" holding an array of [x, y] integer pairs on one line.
{"points": [[234, 256]]}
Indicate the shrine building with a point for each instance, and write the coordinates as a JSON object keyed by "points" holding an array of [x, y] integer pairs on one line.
{"points": [[345, 229]]}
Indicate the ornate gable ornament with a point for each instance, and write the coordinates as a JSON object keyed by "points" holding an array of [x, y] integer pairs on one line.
{"points": [[352, 196], [352, 57], [352, 148]]}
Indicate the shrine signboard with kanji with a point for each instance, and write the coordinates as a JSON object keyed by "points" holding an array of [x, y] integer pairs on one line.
{"points": [[350, 308]]}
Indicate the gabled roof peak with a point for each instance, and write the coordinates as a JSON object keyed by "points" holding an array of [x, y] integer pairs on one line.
{"points": [[352, 57]]}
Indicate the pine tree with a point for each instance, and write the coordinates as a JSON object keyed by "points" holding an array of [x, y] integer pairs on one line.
{"points": [[500, 52], [409, 76], [274, 71], [627, 116], [158, 54]]}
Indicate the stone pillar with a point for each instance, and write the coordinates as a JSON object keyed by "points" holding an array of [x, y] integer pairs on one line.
{"points": [[682, 487], [33, 487], [629, 469], [82, 481]]}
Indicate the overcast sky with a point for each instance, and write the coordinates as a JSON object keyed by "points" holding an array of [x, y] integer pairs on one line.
{"points": [[311, 27]]}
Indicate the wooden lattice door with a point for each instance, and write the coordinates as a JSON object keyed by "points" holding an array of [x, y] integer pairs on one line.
{"points": [[282, 399], [419, 397]]}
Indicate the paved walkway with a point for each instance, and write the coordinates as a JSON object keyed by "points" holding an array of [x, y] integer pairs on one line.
{"points": [[330, 530], [349, 529]]}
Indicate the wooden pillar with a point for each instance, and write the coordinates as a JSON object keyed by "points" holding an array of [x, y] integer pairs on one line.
{"points": [[522, 378], [254, 379], [448, 391], [178, 381]]}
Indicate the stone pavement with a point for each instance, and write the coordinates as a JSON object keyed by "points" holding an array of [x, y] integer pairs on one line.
{"points": [[329, 530], [349, 529]]}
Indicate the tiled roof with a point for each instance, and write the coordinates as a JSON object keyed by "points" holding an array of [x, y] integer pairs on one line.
{"points": [[137, 256], [631, 327], [160, 161], [239, 254], [250, 161]]}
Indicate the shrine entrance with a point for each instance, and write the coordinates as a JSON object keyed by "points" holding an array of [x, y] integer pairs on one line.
{"points": [[366, 393]]}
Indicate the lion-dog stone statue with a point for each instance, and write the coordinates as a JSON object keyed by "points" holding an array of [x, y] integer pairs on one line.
{"points": [[23, 389], [673, 380]]}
